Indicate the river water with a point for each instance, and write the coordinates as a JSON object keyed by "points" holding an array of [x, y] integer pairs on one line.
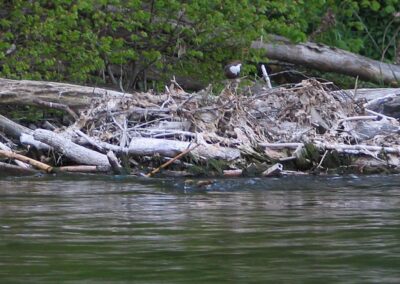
{"points": [[123, 230]]}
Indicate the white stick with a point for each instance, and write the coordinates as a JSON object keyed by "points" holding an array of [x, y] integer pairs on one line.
{"points": [[265, 76], [274, 170], [379, 114], [281, 145]]}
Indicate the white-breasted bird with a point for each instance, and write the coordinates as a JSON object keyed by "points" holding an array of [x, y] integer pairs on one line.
{"points": [[232, 70]]}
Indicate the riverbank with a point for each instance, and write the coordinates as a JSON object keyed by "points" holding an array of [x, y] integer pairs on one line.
{"points": [[306, 128]]}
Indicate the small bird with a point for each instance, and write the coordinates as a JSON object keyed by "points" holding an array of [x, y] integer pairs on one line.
{"points": [[232, 70]]}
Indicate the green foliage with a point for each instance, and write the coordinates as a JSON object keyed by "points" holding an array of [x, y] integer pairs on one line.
{"points": [[116, 41], [368, 27], [76, 40]]}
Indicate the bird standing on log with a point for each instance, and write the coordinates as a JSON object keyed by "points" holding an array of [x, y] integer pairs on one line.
{"points": [[232, 70]]}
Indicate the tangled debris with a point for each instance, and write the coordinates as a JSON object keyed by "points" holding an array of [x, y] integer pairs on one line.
{"points": [[310, 127]]}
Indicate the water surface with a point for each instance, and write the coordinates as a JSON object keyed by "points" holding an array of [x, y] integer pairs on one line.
{"points": [[120, 230]]}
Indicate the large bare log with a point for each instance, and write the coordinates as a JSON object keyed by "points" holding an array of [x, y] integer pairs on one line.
{"points": [[331, 59], [30, 92], [20, 132], [372, 93], [26, 92], [12, 129], [71, 150], [171, 148]]}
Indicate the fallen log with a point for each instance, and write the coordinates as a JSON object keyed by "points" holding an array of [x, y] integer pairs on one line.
{"points": [[331, 59], [12, 129], [171, 148], [21, 133], [274, 170], [82, 169], [371, 93], [71, 150], [26, 92], [115, 165]]}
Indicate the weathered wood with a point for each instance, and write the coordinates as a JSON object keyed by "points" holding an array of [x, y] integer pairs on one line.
{"points": [[371, 93], [170, 148], [233, 173], [21, 133], [274, 170], [330, 59], [11, 128], [281, 145], [73, 151], [57, 106], [82, 169], [359, 148], [26, 92], [172, 160], [19, 163], [36, 164], [115, 165]]}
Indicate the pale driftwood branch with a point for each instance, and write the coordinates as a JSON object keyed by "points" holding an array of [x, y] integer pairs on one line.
{"points": [[115, 165], [233, 173], [282, 145], [338, 147], [21, 133], [19, 163], [71, 150], [265, 76], [357, 148], [58, 106], [371, 93], [36, 164], [11, 128], [357, 118], [82, 169], [322, 159], [274, 170], [89, 140], [171, 148], [27, 139], [172, 160], [380, 115], [325, 58]]}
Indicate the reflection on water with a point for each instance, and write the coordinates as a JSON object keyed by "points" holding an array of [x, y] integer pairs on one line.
{"points": [[239, 230]]}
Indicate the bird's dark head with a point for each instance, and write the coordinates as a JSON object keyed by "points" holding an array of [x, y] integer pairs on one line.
{"points": [[232, 69]]}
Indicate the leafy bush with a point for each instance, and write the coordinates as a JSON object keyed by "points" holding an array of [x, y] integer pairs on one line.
{"points": [[127, 42], [79, 41]]}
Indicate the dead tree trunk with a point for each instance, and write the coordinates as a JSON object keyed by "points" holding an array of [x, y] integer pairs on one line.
{"points": [[331, 59], [26, 92]]}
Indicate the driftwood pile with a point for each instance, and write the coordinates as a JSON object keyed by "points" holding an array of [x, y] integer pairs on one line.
{"points": [[311, 127]]}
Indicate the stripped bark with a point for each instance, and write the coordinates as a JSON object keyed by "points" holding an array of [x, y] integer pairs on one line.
{"points": [[331, 59], [171, 148], [82, 169], [36, 164], [71, 150]]}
